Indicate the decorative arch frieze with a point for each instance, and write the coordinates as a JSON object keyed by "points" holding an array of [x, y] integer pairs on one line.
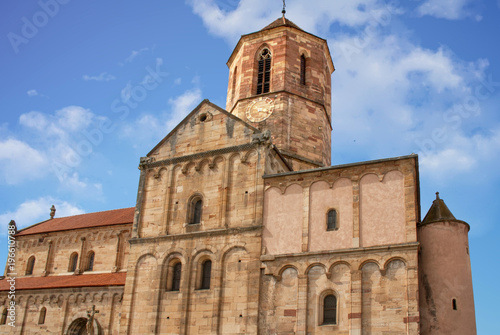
{"points": [[310, 266]]}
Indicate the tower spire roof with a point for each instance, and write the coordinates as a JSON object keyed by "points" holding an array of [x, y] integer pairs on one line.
{"points": [[281, 22], [438, 212]]}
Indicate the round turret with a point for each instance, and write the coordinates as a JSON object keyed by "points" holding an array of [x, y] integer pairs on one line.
{"points": [[445, 279]]}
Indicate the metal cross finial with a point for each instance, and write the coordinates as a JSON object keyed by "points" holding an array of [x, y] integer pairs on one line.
{"points": [[284, 10]]}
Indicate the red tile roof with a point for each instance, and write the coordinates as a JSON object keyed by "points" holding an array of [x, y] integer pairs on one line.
{"points": [[85, 280], [98, 219]]}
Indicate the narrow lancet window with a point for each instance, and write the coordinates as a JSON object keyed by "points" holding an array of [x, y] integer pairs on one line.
{"points": [[90, 261], [30, 266], [330, 310], [302, 70], [264, 72], [73, 262], [206, 272], [195, 210], [41, 318], [331, 220], [3, 321], [176, 277]]}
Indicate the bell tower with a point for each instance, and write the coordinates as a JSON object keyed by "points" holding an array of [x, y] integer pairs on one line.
{"points": [[280, 80]]}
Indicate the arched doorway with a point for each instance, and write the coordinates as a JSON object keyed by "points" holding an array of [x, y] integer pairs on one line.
{"points": [[79, 327]]}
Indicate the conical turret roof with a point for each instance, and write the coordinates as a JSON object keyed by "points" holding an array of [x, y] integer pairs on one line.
{"points": [[438, 211]]}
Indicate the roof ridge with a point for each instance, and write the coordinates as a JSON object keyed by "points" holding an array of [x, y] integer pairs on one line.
{"points": [[109, 210]]}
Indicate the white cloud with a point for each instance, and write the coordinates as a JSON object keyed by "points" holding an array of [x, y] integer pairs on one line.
{"points": [[462, 154], [104, 76], [148, 129], [85, 188], [314, 15], [74, 118], [20, 162], [66, 139], [35, 93], [445, 9], [34, 211], [184, 104]]}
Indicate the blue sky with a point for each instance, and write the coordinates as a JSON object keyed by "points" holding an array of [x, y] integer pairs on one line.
{"points": [[88, 87]]}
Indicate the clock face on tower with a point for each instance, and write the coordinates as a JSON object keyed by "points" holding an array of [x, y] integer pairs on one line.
{"points": [[260, 109]]}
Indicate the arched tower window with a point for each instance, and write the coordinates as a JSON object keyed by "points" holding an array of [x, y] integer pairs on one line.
{"points": [[302, 70], [195, 209], [330, 310], [176, 276], [90, 261], [41, 318], [206, 273], [331, 220], [30, 265], [73, 262], [264, 71], [233, 86], [3, 320]]}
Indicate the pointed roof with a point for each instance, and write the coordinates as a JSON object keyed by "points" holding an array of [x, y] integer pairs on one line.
{"points": [[188, 119], [439, 212], [281, 22]]}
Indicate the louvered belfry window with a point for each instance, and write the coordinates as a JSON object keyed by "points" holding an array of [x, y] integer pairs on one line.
{"points": [[264, 72]]}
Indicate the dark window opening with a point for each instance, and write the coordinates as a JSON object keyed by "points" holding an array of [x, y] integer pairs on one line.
{"points": [[197, 206], [30, 266], [73, 262], [176, 278], [90, 261], [235, 73], [331, 220], [3, 321], [454, 304], [264, 72], [330, 310], [41, 319], [206, 270], [302, 70], [203, 117]]}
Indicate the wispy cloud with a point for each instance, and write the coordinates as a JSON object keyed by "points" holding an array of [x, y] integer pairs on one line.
{"points": [[56, 143], [20, 162], [104, 76], [148, 129], [445, 9], [133, 55], [34, 93], [37, 210]]}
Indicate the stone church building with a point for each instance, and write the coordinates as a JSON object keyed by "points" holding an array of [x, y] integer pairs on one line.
{"points": [[242, 227]]}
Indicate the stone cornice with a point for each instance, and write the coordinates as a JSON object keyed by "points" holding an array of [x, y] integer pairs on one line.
{"points": [[198, 234], [187, 158], [351, 251]]}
